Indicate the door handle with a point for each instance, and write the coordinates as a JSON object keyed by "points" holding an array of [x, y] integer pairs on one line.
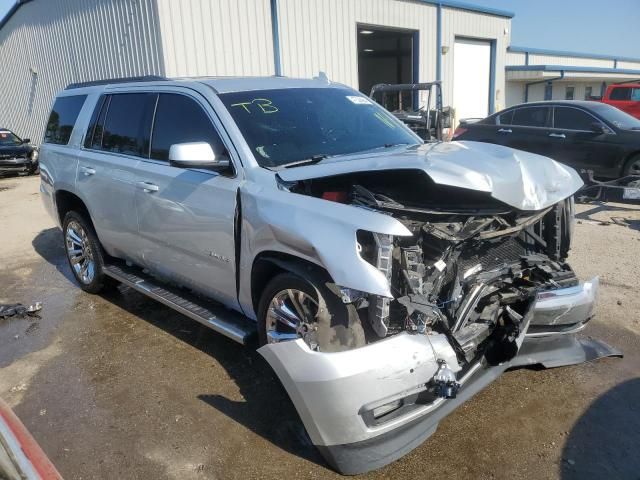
{"points": [[88, 171], [557, 135], [148, 187], [505, 130]]}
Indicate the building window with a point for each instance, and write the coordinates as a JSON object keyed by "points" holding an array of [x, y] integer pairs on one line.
{"points": [[569, 93], [588, 93], [548, 91]]}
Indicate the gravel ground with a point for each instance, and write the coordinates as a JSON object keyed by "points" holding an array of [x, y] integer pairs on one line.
{"points": [[118, 386]]}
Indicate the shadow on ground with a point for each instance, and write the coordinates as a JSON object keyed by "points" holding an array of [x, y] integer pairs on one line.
{"points": [[266, 409], [596, 449], [50, 246], [616, 217]]}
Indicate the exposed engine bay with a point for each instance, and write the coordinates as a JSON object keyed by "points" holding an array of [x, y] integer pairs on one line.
{"points": [[472, 268]]}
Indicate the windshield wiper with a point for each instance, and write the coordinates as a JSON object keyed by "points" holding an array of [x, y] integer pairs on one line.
{"points": [[307, 161]]}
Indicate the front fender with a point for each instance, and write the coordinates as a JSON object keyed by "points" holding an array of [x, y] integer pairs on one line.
{"points": [[316, 230]]}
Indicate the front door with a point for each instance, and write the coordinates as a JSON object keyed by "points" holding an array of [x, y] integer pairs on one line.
{"points": [[574, 140], [186, 216], [528, 129]]}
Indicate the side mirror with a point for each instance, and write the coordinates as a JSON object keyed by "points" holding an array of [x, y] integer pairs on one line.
{"points": [[26, 140], [195, 155], [599, 128]]}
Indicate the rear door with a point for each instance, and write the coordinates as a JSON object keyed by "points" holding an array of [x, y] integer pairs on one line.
{"points": [[117, 137], [186, 216], [574, 142], [526, 128]]}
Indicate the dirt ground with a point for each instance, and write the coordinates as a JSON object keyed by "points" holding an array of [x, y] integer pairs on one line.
{"points": [[119, 386]]}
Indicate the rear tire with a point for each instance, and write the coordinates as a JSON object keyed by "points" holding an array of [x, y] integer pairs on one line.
{"points": [[84, 253], [632, 167], [328, 324]]}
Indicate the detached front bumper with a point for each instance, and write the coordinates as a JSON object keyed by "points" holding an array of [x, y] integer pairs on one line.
{"points": [[342, 397]]}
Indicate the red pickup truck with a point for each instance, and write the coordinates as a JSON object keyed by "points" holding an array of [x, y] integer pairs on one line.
{"points": [[625, 96]]}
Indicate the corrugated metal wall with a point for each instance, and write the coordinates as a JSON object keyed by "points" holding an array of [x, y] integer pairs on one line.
{"points": [[321, 35], [77, 40], [457, 23], [216, 37], [66, 41], [516, 58], [629, 64], [536, 59]]}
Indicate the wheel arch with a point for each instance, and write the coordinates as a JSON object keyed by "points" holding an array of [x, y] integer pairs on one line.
{"points": [[67, 201], [267, 264], [627, 160]]}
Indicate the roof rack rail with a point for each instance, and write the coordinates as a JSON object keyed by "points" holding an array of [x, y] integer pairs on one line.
{"points": [[107, 81]]}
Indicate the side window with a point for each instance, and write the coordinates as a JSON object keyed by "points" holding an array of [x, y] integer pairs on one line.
{"points": [[98, 131], [572, 119], [179, 119], [506, 118], [127, 125], [635, 94], [63, 117], [530, 116], [88, 138], [620, 93]]}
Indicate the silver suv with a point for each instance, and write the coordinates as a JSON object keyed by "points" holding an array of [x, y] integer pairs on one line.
{"points": [[388, 280]]}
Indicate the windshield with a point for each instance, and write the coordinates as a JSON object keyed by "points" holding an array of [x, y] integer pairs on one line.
{"points": [[289, 125], [8, 138], [617, 117]]}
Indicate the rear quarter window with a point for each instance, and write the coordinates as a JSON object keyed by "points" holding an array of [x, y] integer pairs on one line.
{"points": [[62, 119], [530, 116], [505, 118]]}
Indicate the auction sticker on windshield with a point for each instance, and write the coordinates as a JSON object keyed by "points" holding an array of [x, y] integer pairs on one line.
{"points": [[358, 100]]}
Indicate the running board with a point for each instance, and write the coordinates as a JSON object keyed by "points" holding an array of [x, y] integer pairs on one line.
{"points": [[213, 315]]}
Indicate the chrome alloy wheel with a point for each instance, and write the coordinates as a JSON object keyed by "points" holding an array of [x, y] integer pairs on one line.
{"points": [[80, 252], [292, 314]]}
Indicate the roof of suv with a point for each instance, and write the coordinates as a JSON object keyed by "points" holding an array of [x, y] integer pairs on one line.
{"points": [[219, 84]]}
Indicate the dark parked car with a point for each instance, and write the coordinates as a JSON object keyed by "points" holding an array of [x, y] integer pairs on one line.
{"points": [[16, 154], [582, 134]]}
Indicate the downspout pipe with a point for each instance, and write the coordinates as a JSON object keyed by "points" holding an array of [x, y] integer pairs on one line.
{"points": [[527, 85], [275, 35], [439, 42]]}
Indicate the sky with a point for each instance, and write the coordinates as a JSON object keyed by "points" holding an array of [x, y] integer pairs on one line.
{"points": [[589, 26]]}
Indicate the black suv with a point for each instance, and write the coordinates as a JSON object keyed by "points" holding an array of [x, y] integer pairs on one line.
{"points": [[16, 154], [584, 135]]}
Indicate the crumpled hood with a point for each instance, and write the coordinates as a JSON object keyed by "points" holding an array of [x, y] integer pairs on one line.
{"points": [[523, 180]]}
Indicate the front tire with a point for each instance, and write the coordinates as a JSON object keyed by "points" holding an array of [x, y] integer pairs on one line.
{"points": [[293, 307], [84, 253]]}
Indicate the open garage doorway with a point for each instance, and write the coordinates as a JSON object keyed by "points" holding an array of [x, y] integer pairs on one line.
{"points": [[387, 55]]}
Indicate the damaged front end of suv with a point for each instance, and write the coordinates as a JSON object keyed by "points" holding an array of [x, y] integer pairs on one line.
{"points": [[477, 283]]}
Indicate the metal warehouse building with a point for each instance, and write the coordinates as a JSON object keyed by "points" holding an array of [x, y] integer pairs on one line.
{"points": [[47, 44], [535, 74]]}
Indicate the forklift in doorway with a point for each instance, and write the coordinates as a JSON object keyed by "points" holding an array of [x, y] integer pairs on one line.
{"points": [[411, 103]]}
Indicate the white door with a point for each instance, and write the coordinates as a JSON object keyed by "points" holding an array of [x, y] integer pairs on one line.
{"points": [[471, 72]]}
